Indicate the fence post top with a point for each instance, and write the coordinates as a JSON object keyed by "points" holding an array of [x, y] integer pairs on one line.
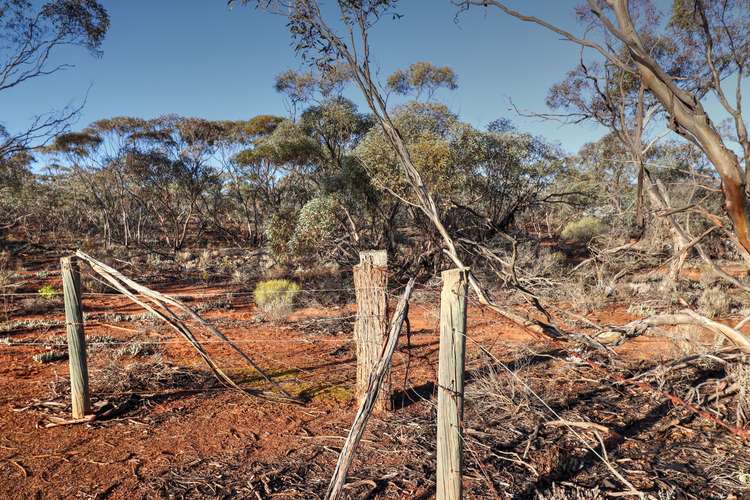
{"points": [[455, 273], [67, 262], [373, 257]]}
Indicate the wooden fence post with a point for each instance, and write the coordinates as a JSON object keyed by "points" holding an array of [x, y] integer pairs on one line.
{"points": [[451, 384], [79, 373], [371, 326]]}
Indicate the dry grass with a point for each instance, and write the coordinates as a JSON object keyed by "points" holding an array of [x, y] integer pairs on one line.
{"points": [[714, 302], [153, 375], [740, 373]]}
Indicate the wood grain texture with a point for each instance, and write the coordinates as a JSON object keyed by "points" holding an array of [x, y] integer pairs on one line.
{"points": [[451, 384], [79, 373], [336, 487], [370, 327]]}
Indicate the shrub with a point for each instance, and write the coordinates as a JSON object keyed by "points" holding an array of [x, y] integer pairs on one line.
{"points": [[316, 226], [583, 230], [714, 302], [275, 298], [47, 292], [279, 231]]}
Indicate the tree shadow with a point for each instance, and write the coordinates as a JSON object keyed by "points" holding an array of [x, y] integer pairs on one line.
{"points": [[407, 397], [636, 427]]}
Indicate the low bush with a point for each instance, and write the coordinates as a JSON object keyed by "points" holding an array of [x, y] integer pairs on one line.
{"points": [[275, 298], [583, 230], [47, 292]]}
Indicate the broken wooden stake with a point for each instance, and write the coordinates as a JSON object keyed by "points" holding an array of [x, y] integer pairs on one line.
{"points": [[366, 406]]}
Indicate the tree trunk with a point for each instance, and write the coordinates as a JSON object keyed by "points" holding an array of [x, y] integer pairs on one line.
{"points": [[689, 119]]}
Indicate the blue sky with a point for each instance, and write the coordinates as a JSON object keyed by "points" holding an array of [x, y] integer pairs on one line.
{"points": [[199, 58]]}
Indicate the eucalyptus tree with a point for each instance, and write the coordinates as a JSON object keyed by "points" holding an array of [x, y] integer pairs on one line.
{"points": [[710, 54], [421, 78], [250, 179], [300, 88], [312, 165], [32, 34], [152, 181], [480, 180], [348, 43]]}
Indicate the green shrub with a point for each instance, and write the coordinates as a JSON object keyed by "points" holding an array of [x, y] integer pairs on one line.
{"points": [[275, 298], [279, 231], [583, 230], [47, 292], [316, 226]]}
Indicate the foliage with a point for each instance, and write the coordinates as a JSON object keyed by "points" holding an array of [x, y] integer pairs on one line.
{"points": [[583, 230], [275, 298], [32, 34], [279, 232], [422, 77], [316, 227], [47, 292]]}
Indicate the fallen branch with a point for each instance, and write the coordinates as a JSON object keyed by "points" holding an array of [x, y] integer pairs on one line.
{"points": [[673, 398], [723, 356], [376, 378], [589, 426], [618, 335], [125, 285]]}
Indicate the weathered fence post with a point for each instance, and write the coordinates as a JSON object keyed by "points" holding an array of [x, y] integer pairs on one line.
{"points": [[451, 384], [79, 373], [371, 326]]}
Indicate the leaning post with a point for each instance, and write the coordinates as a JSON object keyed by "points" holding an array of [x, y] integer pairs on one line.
{"points": [[79, 373], [371, 325], [451, 384]]}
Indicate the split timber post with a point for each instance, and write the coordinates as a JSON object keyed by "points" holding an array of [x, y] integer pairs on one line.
{"points": [[371, 325], [79, 373], [451, 384]]}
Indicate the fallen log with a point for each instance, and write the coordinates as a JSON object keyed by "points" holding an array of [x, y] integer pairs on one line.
{"points": [[617, 335]]}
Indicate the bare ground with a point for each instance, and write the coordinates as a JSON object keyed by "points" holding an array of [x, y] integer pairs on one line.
{"points": [[176, 433]]}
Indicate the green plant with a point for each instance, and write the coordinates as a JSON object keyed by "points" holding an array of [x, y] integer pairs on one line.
{"points": [[316, 226], [279, 230], [47, 292], [275, 298], [583, 230]]}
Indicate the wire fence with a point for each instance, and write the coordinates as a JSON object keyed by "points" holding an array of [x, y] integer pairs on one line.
{"points": [[425, 301]]}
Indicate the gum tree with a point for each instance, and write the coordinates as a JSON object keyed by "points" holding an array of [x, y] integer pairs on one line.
{"points": [[31, 35], [711, 56]]}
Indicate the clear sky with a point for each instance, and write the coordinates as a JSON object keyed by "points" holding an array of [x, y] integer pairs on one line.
{"points": [[199, 58]]}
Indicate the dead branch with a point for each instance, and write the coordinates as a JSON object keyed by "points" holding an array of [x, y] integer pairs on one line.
{"points": [[161, 301], [618, 335], [376, 379]]}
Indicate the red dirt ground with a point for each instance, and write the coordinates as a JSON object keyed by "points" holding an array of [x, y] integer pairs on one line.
{"points": [[125, 456]]}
